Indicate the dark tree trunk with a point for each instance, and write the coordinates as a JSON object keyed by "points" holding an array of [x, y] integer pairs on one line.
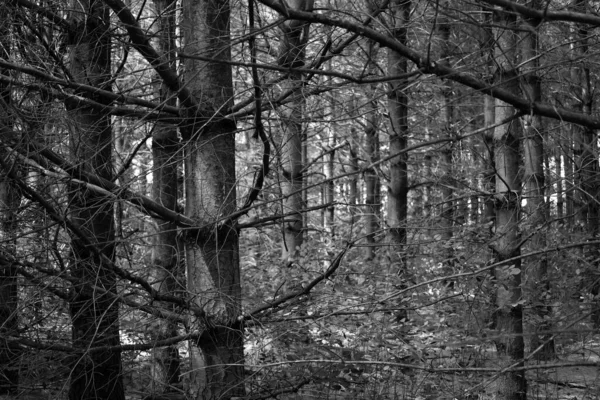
{"points": [[9, 202], [509, 312], [212, 253], [291, 55], [586, 164], [536, 210], [166, 261], [398, 110], [94, 313]]}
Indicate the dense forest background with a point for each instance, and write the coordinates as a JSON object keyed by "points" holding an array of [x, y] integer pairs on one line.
{"points": [[296, 199]]}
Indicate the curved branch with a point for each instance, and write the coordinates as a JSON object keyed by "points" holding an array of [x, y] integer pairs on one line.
{"points": [[443, 71]]}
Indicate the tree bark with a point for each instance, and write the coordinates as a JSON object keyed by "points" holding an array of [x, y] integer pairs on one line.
{"points": [[329, 168], [291, 56], [372, 181], [95, 316], [560, 176], [212, 254], [353, 192], [509, 312], [586, 164], [398, 109], [9, 203], [489, 118], [536, 209], [166, 262]]}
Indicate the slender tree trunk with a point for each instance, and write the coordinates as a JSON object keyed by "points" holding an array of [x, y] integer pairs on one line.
{"points": [[509, 312], [372, 182], [427, 198], [398, 110], [329, 172], [9, 202], [165, 255], [537, 212], [568, 154], [475, 180], [95, 315], [560, 176], [353, 193], [291, 55], [212, 254]]}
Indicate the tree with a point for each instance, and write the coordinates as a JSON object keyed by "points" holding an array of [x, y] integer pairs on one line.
{"points": [[398, 109], [509, 312], [372, 146], [9, 200], [290, 57], [212, 249], [585, 154], [94, 313], [534, 192], [165, 191]]}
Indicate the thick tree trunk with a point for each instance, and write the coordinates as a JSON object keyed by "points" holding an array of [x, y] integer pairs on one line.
{"points": [[212, 253], [9, 202], [95, 315], [165, 256], [489, 118], [587, 168], [536, 209], [398, 109], [509, 312], [291, 55], [9, 357]]}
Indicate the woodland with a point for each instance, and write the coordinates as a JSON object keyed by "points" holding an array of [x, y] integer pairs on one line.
{"points": [[299, 199]]}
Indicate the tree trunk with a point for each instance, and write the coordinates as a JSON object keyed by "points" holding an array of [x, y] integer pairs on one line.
{"points": [[212, 253], [291, 55], [560, 176], [398, 110], [353, 193], [95, 315], [587, 169], [165, 255], [330, 172], [9, 203], [509, 312], [372, 182], [489, 118], [536, 209]]}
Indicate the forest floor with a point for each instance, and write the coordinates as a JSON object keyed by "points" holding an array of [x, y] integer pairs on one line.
{"points": [[575, 375]]}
